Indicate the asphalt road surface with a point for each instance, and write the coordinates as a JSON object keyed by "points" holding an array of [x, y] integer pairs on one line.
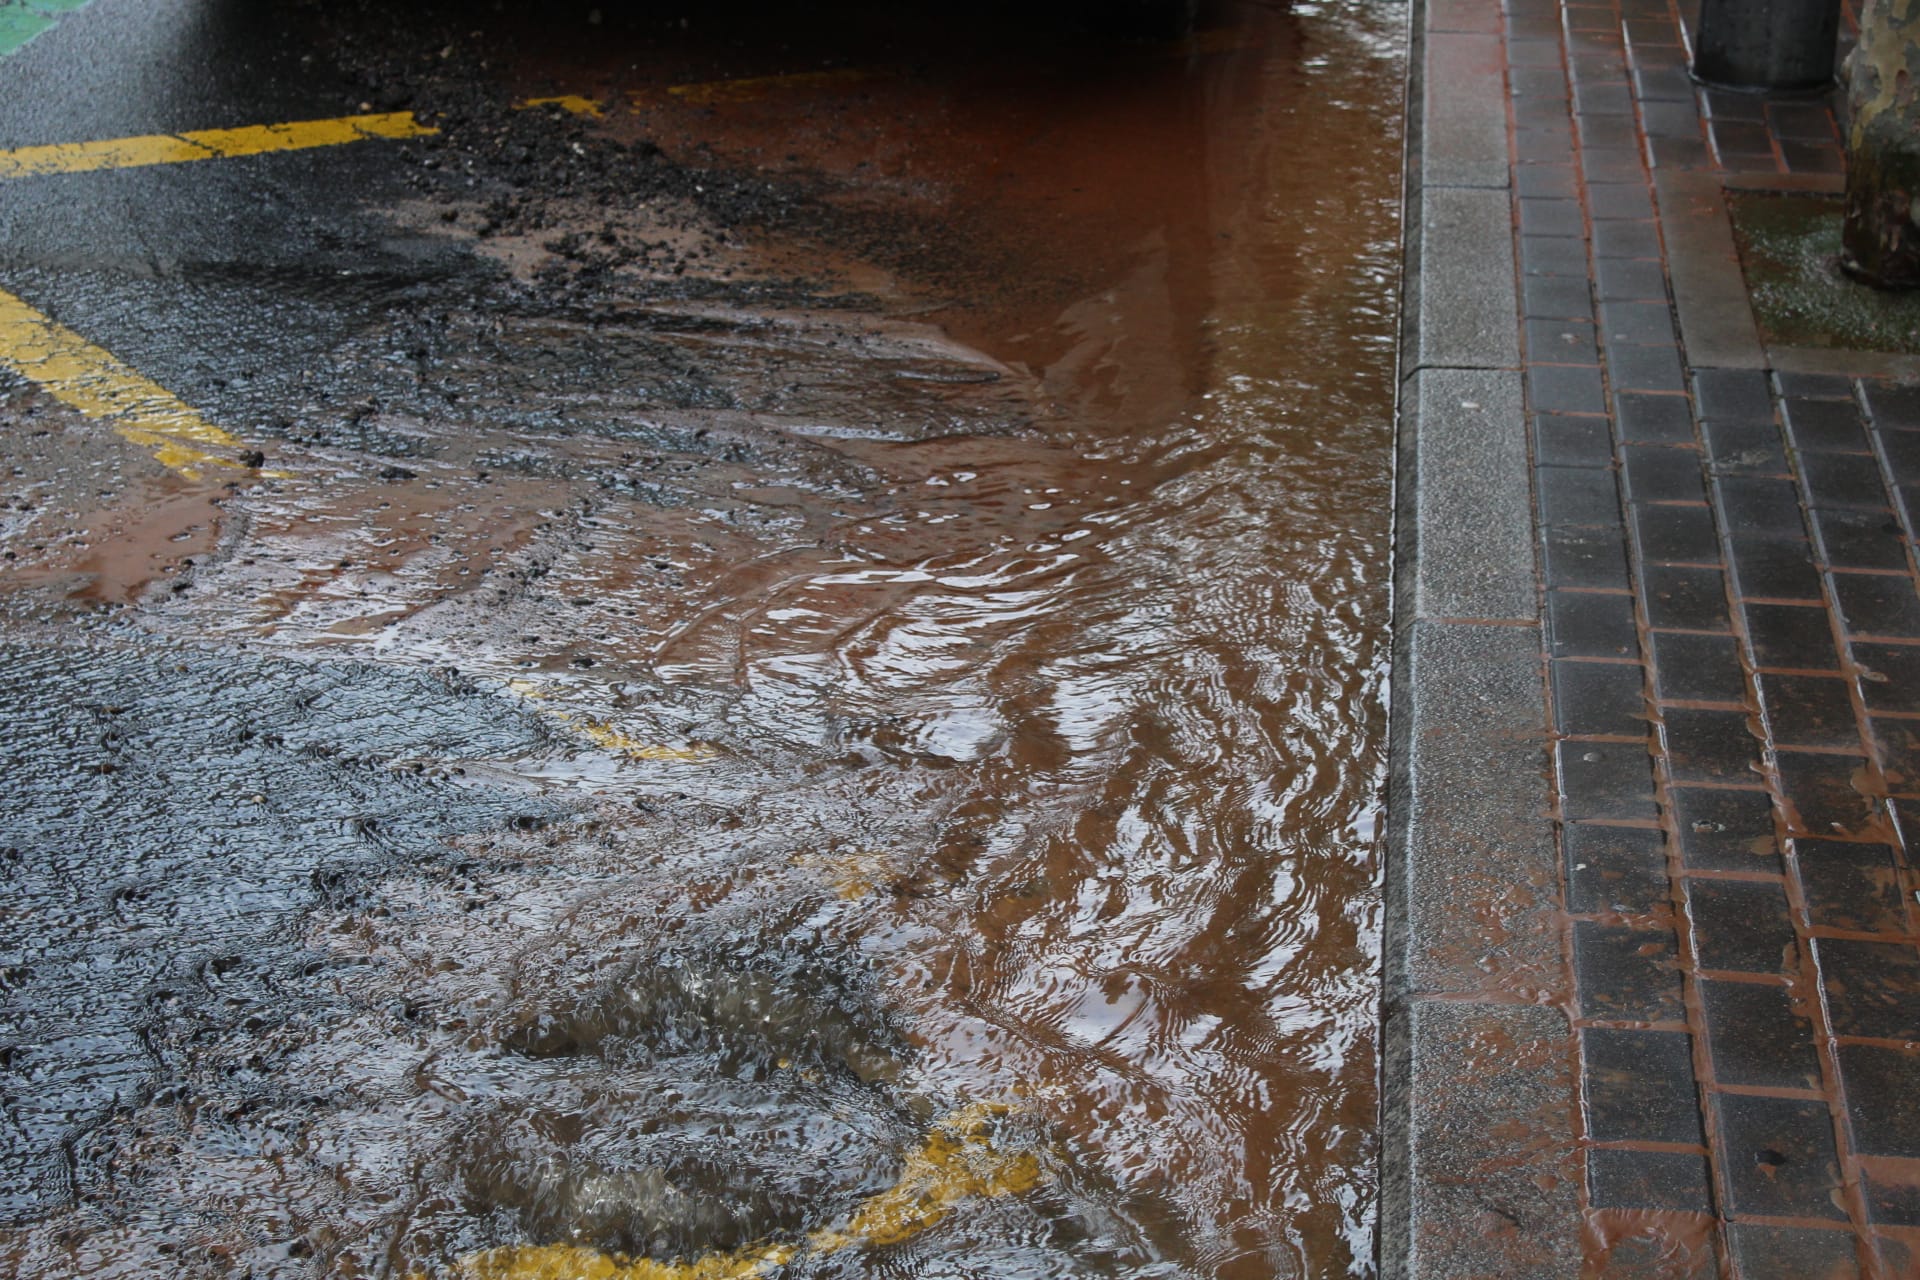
{"points": [[691, 642]]}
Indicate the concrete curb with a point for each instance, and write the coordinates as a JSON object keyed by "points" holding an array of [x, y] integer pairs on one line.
{"points": [[1479, 1166]]}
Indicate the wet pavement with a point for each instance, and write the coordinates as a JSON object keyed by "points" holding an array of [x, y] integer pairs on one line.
{"points": [[1679, 934], [723, 643]]}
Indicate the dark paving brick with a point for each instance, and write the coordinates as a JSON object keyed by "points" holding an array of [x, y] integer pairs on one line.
{"points": [[1742, 926], [1873, 988], [1732, 393], [1679, 153], [1626, 975], [1891, 1188], [1557, 296], [1777, 1157], [1897, 1256], [1860, 539], [1578, 496], [1562, 341], [1678, 533], [1725, 104], [1685, 597], [1546, 83], [1585, 624], [1741, 142], [1622, 239], [1656, 473], [1596, 66], [1889, 676], [1850, 886], [1822, 793], [1804, 158], [1672, 120], [1567, 440], [1565, 388], [1906, 499], [1638, 1086], [1578, 557], [1813, 386], [1892, 407], [1709, 746], [1553, 255], [1608, 131], [1637, 323], [1825, 425], [1535, 53], [1648, 1180], [1801, 120], [1793, 1253], [1809, 711], [1902, 450], [1663, 84], [1898, 746], [1599, 697], [1603, 99], [1543, 146], [1605, 780], [1878, 605], [1629, 279], [1697, 668], [1790, 635], [1645, 368], [1770, 567], [1740, 448], [1550, 217], [1724, 830], [1653, 419], [1756, 1036], [1882, 1088], [1843, 480], [1621, 869], [1619, 200], [1759, 505]]}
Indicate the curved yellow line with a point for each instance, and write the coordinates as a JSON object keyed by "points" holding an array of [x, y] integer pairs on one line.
{"points": [[957, 1162]]}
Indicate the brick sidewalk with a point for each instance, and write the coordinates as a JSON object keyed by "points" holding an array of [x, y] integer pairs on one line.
{"points": [[1726, 611]]}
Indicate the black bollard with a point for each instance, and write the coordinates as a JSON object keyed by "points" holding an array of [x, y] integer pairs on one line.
{"points": [[1766, 44]]}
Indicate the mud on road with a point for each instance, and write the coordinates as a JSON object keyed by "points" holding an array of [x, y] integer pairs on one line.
{"points": [[773, 667]]}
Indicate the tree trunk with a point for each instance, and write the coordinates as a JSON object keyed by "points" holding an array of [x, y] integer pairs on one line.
{"points": [[1881, 242]]}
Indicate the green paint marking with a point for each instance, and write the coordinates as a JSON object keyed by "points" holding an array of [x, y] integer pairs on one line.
{"points": [[22, 20]]}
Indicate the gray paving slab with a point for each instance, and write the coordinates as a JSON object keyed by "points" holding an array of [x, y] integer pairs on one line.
{"points": [[1463, 140], [1466, 506], [1491, 1177], [1473, 883], [1465, 282]]}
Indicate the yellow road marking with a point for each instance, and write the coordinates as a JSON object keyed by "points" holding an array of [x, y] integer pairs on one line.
{"points": [[759, 86], [206, 144], [957, 1162], [84, 377], [572, 103], [853, 874], [604, 735]]}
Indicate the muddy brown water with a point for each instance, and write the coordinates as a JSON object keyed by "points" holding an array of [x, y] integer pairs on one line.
{"points": [[695, 719]]}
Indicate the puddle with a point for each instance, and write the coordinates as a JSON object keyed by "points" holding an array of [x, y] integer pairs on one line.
{"points": [[814, 678]]}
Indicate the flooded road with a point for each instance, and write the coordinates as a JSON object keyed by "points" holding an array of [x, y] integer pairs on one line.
{"points": [[763, 654]]}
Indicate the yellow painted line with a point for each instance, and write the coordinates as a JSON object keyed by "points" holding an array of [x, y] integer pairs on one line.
{"points": [[851, 875], [606, 736], [89, 379], [957, 1162], [760, 86], [207, 144], [572, 103]]}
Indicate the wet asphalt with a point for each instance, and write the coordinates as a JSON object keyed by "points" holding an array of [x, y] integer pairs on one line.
{"points": [[827, 581]]}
